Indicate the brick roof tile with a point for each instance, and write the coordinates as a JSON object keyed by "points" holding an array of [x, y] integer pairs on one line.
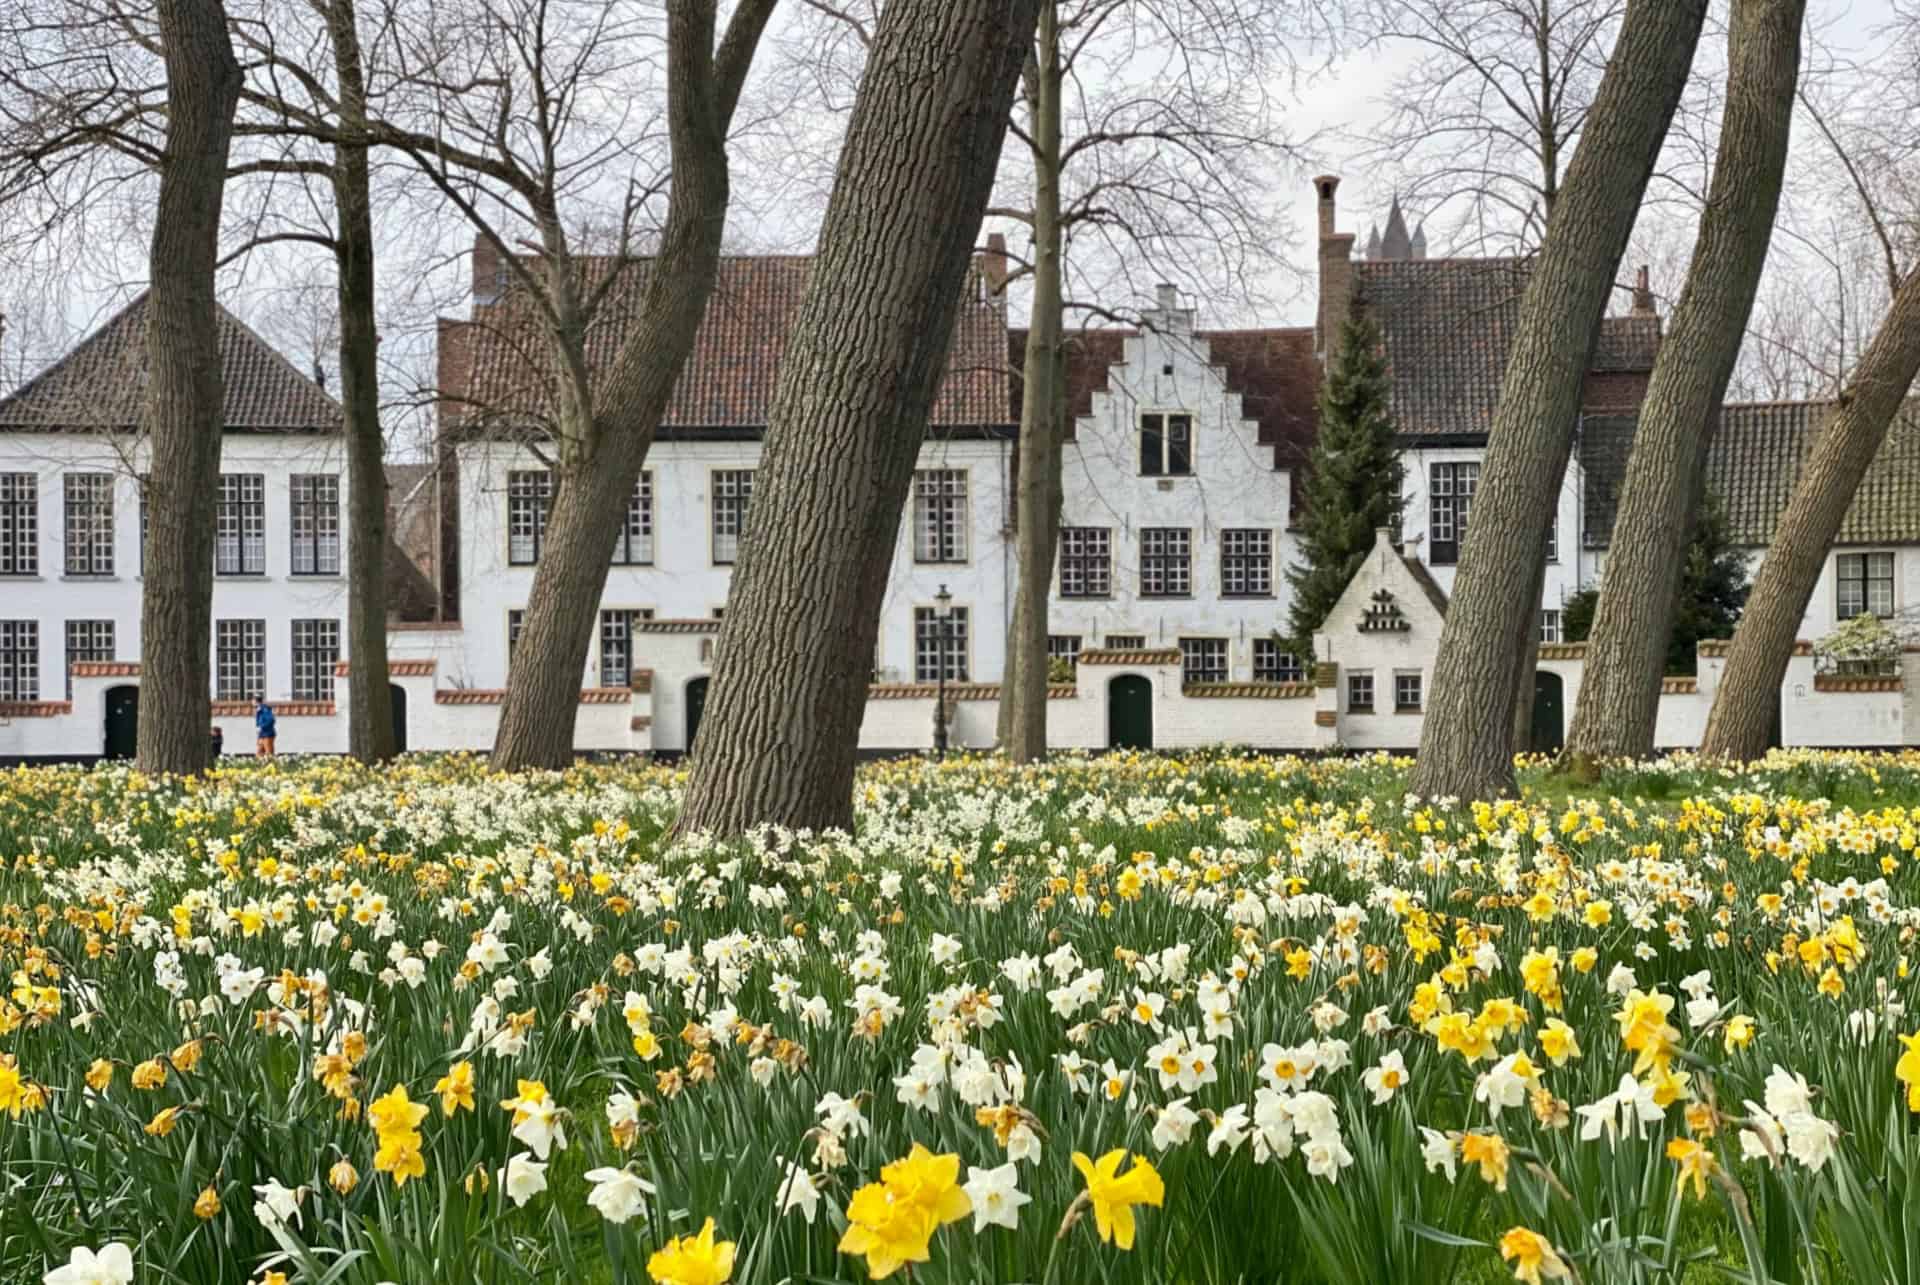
{"points": [[101, 383]]}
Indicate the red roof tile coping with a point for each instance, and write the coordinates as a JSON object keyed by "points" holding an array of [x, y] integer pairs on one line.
{"points": [[35, 709], [1563, 651], [498, 695], [423, 626], [1130, 656], [1858, 683], [104, 668], [676, 626], [1256, 690], [1679, 685], [281, 709], [395, 668]]}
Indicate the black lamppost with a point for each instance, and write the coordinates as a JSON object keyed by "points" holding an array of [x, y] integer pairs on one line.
{"points": [[942, 630]]}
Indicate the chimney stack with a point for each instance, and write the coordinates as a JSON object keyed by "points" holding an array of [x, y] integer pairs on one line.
{"points": [[319, 373], [993, 266], [489, 271], [1166, 296], [1643, 295], [1336, 272]]}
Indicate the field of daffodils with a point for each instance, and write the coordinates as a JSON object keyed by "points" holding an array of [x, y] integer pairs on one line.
{"points": [[1137, 1019]]}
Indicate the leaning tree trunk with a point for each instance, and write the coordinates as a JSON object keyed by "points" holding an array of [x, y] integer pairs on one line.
{"points": [[1743, 709], [369, 699], [1526, 661], [1626, 652], [1466, 748], [185, 392], [601, 464], [1023, 689], [782, 721]]}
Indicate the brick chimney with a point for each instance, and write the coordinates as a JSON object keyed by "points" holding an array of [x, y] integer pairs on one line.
{"points": [[1336, 272], [1643, 295], [489, 271], [993, 266]]}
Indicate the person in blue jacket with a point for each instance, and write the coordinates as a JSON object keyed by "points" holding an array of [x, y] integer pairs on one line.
{"points": [[263, 729]]}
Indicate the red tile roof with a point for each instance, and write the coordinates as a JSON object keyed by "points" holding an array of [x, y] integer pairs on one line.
{"points": [[491, 371], [101, 383]]}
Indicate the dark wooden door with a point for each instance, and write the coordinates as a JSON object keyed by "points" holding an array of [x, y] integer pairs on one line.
{"points": [[1130, 713], [1549, 723], [696, 703], [399, 699], [123, 721]]}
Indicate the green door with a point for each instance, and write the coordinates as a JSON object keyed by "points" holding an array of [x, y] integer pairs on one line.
{"points": [[1549, 733], [123, 721], [696, 703], [399, 699], [1130, 713]]}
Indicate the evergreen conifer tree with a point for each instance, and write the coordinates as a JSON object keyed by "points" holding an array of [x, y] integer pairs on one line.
{"points": [[1707, 601], [1352, 484]]}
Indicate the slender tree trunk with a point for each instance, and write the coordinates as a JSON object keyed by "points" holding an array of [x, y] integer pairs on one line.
{"points": [[601, 464], [1626, 651], [782, 722], [185, 392], [1466, 748], [369, 700], [1742, 718], [1023, 690], [1527, 662]]}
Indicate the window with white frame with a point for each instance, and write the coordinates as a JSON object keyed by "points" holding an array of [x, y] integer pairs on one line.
{"points": [[1166, 562], [1864, 583], [1273, 664], [19, 524], [931, 645], [633, 547], [616, 644], [516, 621], [1550, 630], [87, 640], [89, 526], [1203, 660], [1063, 647], [1553, 538], [1406, 693], [940, 515], [19, 660], [1086, 562], [314, 502], [732, 493], [1246, 563], [529, 493], [1449, 501], [1126, 642], [240, 525], [316, 651], [240, 660], [1166, 445], [1360, 692]]}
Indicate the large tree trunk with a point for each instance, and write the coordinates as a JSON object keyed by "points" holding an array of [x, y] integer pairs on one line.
{"points": [[1023, 688], [369, 700], [1626, 651], [1526, 662], [782, 722], [602, 463], [1743, 710], [185, 399], [1466, 748]]}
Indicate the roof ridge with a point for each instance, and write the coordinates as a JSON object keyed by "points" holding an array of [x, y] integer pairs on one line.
{"points": [[274, 352]]}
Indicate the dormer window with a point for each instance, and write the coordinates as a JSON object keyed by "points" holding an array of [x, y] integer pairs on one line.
{"points": [[1166, 445]]}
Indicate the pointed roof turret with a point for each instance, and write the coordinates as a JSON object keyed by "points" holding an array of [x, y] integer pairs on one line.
{"points": [[1420, 241], [1396, 243], [1373, 242]]}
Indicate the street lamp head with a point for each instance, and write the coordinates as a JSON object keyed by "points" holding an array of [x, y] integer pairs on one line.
{"points": [[943, 602]]}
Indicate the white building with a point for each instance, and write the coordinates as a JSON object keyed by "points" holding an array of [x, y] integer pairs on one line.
{"points": [[71, 518]]}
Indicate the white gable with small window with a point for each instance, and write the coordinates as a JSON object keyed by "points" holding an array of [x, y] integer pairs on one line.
{"points": [[1174, 523]]}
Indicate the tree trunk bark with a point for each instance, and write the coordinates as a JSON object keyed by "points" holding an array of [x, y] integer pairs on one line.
{"points": [[185, 406], [1526, 662], [369, 699], [1742, 718], [1626, 651], [600, 467], [782, 722], [1466, 748], [1023, 689]]}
